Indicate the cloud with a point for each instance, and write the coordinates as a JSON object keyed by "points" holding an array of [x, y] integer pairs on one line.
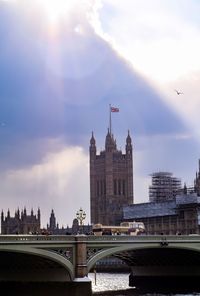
{"points": [[163, 35], [59, 182], [61, 87], [56, 84], [176, 153], [188, 104]]}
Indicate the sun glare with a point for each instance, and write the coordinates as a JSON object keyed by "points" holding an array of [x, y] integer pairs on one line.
{"points": [[56, 9]]}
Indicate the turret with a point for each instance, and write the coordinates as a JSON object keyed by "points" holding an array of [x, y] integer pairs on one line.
{"points": [[110, 143], [52, 220], [93, 146], [18, 214], [185, 189], [38, 215], [2, 216], [199, 167], [128, 145], [8, 214]]}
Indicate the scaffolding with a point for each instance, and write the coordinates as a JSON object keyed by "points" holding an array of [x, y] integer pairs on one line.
{"points": [[164, 187]]}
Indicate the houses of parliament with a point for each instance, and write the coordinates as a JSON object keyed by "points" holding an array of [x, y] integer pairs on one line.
{"points": [[111, 180], [171, 209]]}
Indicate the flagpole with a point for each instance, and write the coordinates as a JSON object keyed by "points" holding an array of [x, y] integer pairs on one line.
{"points": [[110, 116], [112, 109]]}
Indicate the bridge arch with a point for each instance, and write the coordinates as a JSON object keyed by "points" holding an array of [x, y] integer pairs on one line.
{"points": [[182, 249], [41, 256]]}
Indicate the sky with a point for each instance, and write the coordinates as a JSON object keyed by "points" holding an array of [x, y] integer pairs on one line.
{"points": [[62, 63]]}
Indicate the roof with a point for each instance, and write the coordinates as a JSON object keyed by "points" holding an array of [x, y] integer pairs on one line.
{"points": [[150, 209], [156, 209]]}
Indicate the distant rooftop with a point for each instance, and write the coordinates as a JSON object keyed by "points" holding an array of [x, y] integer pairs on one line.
{"points": [[156, 209], [157, 174]]}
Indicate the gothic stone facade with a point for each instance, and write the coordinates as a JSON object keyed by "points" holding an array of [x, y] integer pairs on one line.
{"points": [[21, 223], [178, 216], [53, 227], [111, 181]]}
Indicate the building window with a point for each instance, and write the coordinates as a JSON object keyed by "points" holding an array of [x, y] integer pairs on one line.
{"points": [[115, 187], [119, 187], [97, 188], [101, 187], [123, 187], [104, 187]]}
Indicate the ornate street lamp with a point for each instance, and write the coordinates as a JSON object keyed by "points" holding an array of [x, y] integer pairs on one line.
{"points": [[81, 215]]}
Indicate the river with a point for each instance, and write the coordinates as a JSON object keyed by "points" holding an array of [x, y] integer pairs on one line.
{"points": [[117, 284], [107, 284]]}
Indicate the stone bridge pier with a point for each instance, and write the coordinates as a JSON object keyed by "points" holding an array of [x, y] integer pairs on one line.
{"points": [[82, 282], [81, 258]]}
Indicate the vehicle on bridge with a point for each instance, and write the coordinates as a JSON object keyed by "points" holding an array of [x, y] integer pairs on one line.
{"points": [[125, 228]]}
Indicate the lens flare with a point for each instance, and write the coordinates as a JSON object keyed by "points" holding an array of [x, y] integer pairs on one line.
{"points": [[56, 9]]}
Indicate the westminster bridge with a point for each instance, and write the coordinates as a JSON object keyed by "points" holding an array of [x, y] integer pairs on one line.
{"points": [[56, 258]]}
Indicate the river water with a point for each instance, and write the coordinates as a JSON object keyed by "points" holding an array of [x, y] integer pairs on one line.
{"points": [[117, 284], [109, 281], [106, 284]]}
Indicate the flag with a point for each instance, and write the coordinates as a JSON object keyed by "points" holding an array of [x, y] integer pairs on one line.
{"points": [[113, 109]]}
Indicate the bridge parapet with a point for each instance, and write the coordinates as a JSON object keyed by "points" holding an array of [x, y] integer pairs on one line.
{"points": [[93, 238], [143, 238], [32, 238]]}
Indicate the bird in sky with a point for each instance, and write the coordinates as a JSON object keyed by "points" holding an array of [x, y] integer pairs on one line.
{"points": [[178, 92]]}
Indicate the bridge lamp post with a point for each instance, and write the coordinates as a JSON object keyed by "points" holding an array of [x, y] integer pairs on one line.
{"points": [[81, 215]]}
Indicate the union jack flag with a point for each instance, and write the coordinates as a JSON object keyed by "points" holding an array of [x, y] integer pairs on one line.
{"points": [[114, 109]]}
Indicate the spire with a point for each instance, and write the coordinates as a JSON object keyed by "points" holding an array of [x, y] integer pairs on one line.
{"points": [[92, 140], [110, 143], [128, 144], [93, 146], [52, 220], [8, 213], [17, 214], [199, 167], [2, 216], [128, 138], [115, 142], [38, 214], [185, 189]]}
